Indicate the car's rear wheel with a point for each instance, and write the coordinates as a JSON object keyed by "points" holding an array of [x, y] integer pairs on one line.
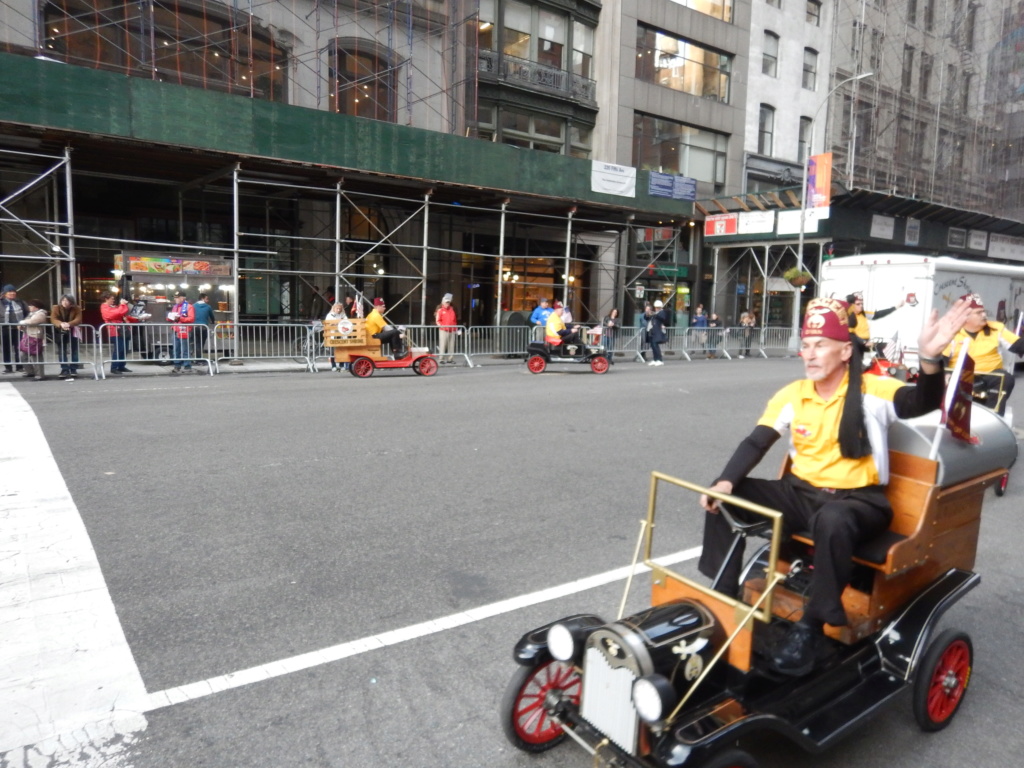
{"points": [[536, 364], [599, 364], [425, 366], [731, 758], [362, 367], [526, 723], [942, 679]]}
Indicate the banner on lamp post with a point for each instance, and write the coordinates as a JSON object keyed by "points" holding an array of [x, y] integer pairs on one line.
{"points": [[819, 180]]}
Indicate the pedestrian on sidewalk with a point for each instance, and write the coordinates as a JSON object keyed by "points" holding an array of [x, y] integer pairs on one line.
{"points": [[447, 325], [33, 339], [66, 316]]}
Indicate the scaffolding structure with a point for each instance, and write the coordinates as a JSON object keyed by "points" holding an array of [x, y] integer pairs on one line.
{"points": [[921, 125], [289, 245], [404, 61]]}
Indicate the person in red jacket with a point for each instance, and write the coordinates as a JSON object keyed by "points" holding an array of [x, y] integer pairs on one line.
{"points": [[184, 314], [115, 312], [444, 316]]}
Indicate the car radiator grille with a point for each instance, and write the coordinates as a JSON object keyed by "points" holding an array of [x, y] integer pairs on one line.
{"points": [[607, 702]]}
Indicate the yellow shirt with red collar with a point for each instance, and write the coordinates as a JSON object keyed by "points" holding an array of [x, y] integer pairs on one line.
{"points": [[985, 348], [552, 327], [813, 426]]}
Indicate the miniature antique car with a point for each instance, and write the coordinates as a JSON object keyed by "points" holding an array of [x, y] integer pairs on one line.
{"points": [[679, 683], [540, 354], [351, 344]]}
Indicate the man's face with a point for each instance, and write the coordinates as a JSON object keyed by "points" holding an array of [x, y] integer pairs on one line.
{"points": [[976, 320], [11, 295], [857, 307], [824, 358]]}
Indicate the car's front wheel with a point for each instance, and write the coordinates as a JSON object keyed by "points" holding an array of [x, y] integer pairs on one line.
{"points": [[526, 723]]}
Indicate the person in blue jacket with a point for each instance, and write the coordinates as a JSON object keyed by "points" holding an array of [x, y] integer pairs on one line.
{"points": [[204, 323], [539, 318], [659, 321]]}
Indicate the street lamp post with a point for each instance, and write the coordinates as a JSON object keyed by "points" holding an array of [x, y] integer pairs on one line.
{"points": [[803, 201]]}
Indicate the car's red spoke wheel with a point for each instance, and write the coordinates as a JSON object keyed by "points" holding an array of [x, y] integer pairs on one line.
{"points": [[362, 367], [426, 366], [942, 679], [526, 723], [536, 364], [599, 364]]}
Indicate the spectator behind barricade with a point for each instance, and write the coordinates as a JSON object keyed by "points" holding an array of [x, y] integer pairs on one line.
{"points": [[645, 328], [66, 316], [183, 314], [203, 326], [114, 311], [747, 324], [12, 311], [447, 326], [32, 339], [657, 325], [986, 341], [337, 313], [379, 328], [539, 317], [700, 322], [714, 334], [609, 331], [353, 306]]}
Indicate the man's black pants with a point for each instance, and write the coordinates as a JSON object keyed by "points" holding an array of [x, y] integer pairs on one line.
{"points": [[837, 521]]}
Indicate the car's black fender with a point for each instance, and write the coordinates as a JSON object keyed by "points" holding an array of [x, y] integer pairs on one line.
{"points": [[532, 647], [904, 641]]}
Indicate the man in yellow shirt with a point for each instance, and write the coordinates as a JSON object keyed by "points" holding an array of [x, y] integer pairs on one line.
{"points": [[837, 421], [858, 319], [986, 341], [378, 328], [555, 332]]}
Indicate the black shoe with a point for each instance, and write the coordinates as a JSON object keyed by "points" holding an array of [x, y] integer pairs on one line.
{"points": [[115, 370], [127, 370], [63, 375], [796, 654]]}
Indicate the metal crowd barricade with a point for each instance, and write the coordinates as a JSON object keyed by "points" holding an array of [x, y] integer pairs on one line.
{"points": [[775, 341], [301, 342], [509, 341], [152, 344], [741, 341]]}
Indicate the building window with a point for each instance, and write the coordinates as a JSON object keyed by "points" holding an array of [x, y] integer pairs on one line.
{"points": [[912, 11], [926, 76], [681, 65], [929, 15], [775, 3], [770, 55], [582, 50], [532, 130], [970, 23], [965, 91], [814, 12], [516, 35], [804, 141], [877, 40], [908, 67], [205, 48], [810, 81], [857, 41], [718, 9], [670, 147], [765, 129], [486, 26], [362, 81]]}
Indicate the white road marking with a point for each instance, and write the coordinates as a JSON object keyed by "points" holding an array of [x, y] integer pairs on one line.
{"points": [[69, 685], [274, 669], [64, 660]]}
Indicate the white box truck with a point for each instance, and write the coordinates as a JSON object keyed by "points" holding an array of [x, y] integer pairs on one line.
{"points": [[926, 283]]}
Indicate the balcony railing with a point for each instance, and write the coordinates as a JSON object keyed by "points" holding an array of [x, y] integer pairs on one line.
{"points": [[537, 75]]}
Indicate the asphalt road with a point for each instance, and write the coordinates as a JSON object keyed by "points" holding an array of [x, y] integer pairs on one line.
{"points": [[245, 519]]}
